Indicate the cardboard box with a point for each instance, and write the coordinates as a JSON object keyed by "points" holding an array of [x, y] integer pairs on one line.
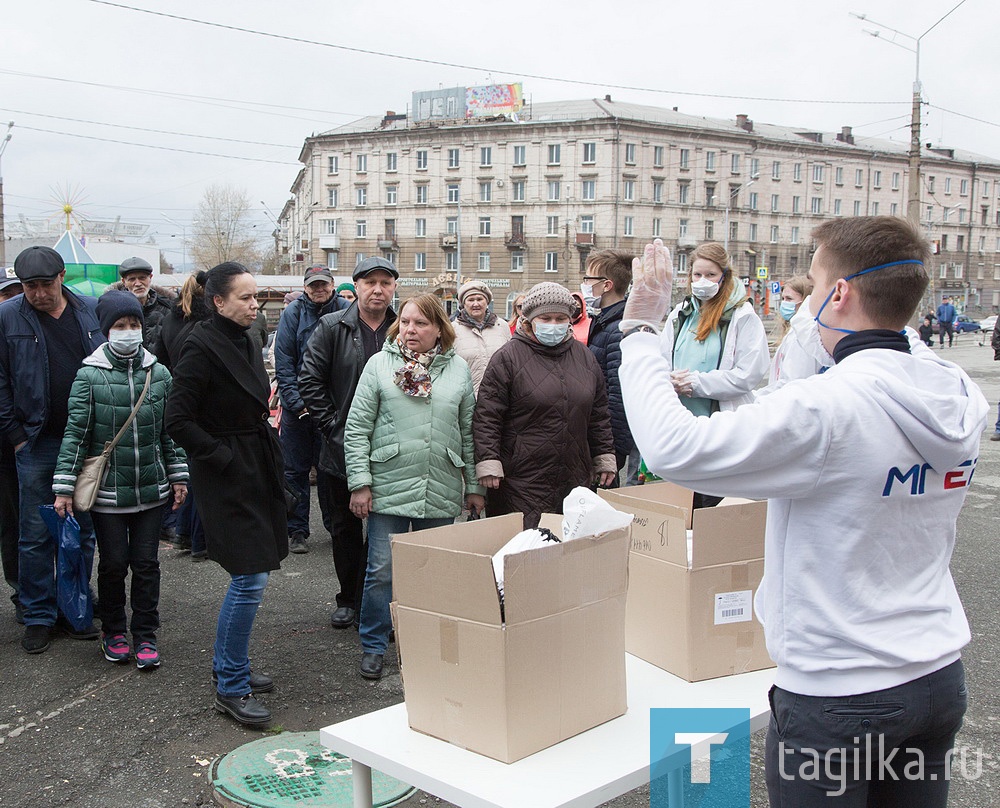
{"points": [[692, 614], [506, 688]]}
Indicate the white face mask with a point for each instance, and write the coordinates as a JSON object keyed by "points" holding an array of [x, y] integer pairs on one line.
{"points": [[807, 333], [704, 289], [587, 290], [125, 342], [550, 333]]}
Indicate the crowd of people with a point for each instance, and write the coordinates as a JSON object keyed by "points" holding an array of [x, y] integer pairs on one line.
{"points": [[412, 419]]}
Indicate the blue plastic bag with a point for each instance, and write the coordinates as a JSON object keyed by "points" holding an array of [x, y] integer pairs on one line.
{"points": [[72, 580]]}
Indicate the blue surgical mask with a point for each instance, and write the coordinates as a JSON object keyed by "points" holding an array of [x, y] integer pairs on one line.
{"points": [[787, 309], [125, 342], [550, 333], [851, 277]]}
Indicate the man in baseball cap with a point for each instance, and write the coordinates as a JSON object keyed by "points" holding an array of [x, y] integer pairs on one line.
{"points": [[10, 284], [47, 332]]}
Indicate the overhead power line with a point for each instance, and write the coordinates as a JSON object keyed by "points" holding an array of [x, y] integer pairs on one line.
{"points": [[961, 115], [479, 68]]}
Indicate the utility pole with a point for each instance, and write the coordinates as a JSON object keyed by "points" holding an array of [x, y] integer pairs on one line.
{"points": [[3, 231]]}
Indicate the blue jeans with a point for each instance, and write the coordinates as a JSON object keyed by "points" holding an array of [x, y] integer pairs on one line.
{"points": [[863, 742], [300, 444], [36, 463], [232, 637], [376, 622], [997, 427]]}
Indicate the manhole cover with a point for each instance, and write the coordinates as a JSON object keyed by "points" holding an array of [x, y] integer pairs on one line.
{"points": [[294, 768]]}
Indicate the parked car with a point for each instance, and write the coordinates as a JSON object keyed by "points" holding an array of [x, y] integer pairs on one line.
{"points": [[963, 323], [989, 323]]}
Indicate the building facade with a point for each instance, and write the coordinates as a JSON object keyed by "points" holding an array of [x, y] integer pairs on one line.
{"points": [[521, 199]]}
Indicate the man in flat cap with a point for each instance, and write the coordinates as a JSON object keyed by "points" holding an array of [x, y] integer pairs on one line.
{"points": [[44, 336], [137, 278]]}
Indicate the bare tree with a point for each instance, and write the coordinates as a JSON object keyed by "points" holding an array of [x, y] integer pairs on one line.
{"points": [[223, 231]]}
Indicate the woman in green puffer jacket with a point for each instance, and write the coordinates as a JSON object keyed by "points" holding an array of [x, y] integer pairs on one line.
{"points": [[408, 446], [143, 467]]}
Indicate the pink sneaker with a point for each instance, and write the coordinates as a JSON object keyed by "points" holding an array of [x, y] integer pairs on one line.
{"points": [[115, 647], [146, 656]]}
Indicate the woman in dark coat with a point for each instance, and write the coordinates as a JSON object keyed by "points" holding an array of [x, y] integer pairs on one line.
{"points": [[541, 425], [218, 412]]}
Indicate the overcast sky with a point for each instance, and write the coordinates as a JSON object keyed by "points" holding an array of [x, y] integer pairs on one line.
{"points": [[75, 58]]}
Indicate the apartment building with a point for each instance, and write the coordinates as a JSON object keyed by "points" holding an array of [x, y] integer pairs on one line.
{"points": [[514, 200]]}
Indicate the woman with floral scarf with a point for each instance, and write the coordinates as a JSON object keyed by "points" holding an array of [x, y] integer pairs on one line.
{"points": [[409, 451]]}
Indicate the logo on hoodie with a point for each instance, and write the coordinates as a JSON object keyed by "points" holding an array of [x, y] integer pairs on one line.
{"points": [[916, 476]]}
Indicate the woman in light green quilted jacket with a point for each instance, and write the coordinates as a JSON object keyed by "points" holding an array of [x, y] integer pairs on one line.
{"points": [[409, 451]]}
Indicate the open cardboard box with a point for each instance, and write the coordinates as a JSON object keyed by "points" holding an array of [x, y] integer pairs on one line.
{"points": [[552, 667], [690, 606]]}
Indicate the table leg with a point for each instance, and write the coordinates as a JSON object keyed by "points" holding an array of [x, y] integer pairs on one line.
{"points": [[362, 781], [675, 788]]}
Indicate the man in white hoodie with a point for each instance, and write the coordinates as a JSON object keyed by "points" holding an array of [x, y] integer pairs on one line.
{"points": [[865, 468]]}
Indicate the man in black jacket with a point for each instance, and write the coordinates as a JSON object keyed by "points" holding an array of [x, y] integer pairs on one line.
{"points": [[335, 355], [137, 278], [609, 273]]}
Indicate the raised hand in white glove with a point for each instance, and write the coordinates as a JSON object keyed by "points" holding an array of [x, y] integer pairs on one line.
{"points": [[652, 282]]}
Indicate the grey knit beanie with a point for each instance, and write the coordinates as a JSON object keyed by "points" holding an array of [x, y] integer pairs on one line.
{"points": [[547, 298], [474, 286]]}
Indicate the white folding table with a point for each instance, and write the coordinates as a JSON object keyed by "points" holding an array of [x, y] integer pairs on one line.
{"points": [[581, 772]]}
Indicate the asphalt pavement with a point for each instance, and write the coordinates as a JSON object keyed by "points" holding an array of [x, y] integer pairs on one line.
{"points": [[76, 730]]}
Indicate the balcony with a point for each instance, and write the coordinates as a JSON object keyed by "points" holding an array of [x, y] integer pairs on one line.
{"points": [[329, 242], [388, 242], [584, 241], [515, 240], [449, 241], [686, 242]]}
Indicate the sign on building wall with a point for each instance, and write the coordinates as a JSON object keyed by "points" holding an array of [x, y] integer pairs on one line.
{"points": [[493, 99]]}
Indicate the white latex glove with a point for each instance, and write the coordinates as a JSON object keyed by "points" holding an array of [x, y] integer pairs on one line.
{"points": [[652, 282]]}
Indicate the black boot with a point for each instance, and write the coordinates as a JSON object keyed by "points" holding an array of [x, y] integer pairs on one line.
{"points": [[245, 709]]}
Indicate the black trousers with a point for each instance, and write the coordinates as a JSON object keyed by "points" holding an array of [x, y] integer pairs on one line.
{"points": [[347, 534], [124, 541], [9, 529]]}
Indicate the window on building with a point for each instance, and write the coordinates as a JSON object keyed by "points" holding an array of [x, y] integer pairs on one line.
{"points": [[930, 213], [895, 180], [754, 167], [454, 158], [893, 209], [421, 159], [685, 159], [331, 227], [734, 196], [486, 192], [816, 204], [589, 192], [485, 228], [451, 225], [797, 172], [959, 270], [947, 185], [945, 214], [658, 192], [657, 223], [963, 187], [986, 188], [361, 197], [362, 163], [630, 154], [682, 228], [857, 207], [520, 155], [710, 194], [734, 164], [795, 235], [420, 228], [876, 179], [774, 234], [709, 230], [551, 262], [930, 185], [753, 232], [943, 271], [586, 224], [753, 200], [710, 161], [628, 190], [553, 189], [517, 261], [944, 242], [555, 154], [817, 172], [838, 175], [391, 194], [332, 164], [796, 204], [332, 259], [684, 192], [421, 195], [629, 226], [484, 262], [837, 206], [420, 262], [859, 178], [552, 225], [485, 155], [517, 191], [391, 161], [658, 156], [589, 152], [358, 258], [361, 228], [961, 216], [451, 261], [453, 194], [776, 170], [734, 231], [874, 208], [775, 203], [331, 197]]}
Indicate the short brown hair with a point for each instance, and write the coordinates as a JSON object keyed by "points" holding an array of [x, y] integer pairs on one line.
{"points": [[615, 265], [890, 296], [431, 308]]}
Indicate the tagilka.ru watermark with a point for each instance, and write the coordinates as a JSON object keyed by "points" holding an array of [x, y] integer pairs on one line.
{"points": [[704, 754]]}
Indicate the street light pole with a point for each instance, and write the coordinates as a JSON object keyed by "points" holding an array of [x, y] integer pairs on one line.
{"points": [[183, 237], [3, 232], [913, 195], [729, 203]]}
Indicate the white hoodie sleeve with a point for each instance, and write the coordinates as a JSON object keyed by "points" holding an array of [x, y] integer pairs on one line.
{"points": [[760, 451], [745, 361]]}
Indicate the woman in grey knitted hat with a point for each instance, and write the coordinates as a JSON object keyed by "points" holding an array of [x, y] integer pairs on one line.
{"points": [[541, 425], [479, 333]]}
